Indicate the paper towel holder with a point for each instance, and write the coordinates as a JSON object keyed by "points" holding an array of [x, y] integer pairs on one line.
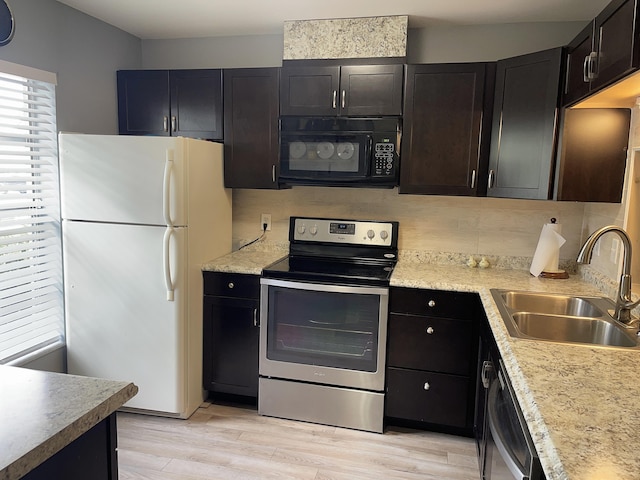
{"points": [[558, 274]]}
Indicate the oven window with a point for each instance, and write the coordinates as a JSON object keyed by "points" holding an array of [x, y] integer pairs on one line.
{"points": [[323, 155], [323, 328]]}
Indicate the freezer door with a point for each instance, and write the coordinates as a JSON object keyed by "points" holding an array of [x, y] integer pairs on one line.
{"points": [[120, 324], [123, 179]]}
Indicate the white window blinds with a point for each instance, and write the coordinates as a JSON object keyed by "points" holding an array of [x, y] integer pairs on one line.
{"points": [[31, 299]]}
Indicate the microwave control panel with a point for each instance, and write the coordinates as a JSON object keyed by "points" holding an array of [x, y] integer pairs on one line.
{"points": [[385, 157]]}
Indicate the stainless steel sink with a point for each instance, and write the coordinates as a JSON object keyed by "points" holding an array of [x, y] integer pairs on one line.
{"points": [[551, 304], [563, 319]]}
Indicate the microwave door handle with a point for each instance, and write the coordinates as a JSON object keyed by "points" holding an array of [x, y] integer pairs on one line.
{"points": [[494, 426]]}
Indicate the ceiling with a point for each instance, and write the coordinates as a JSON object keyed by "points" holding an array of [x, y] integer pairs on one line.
{"points": [[162, 19]]}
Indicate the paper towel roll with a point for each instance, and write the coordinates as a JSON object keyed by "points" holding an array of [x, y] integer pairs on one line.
{"points": [[547, 254]]}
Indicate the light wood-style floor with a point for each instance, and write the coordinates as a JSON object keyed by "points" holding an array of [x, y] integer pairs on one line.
{"points": [[225, 442]]}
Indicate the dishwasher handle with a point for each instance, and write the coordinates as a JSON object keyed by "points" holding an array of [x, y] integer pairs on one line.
{"points": [[517, 470]]}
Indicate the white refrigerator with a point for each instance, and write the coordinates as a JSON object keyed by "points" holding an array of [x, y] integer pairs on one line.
{"points": [[140, 217]]}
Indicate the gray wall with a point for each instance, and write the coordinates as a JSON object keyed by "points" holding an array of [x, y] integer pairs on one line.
{"points": [[84, 53], [428, 45]]}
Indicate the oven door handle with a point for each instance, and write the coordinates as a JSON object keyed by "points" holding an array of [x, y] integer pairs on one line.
{"points": [[514, 467]]}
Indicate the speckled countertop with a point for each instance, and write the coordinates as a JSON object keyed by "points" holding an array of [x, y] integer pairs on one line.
{"points": [[250, 260], [581, 403], [42, 412]]}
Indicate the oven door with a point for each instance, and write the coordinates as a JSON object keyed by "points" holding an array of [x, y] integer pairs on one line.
{"points": [[326, 334], [323, 157]]}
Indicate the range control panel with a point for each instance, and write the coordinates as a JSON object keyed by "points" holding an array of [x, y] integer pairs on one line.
{"points": [[348, 232]]}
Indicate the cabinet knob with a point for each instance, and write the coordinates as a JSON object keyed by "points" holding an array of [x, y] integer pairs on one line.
{"points": [[231, 285], [431, 303], [426, 386], [430, 330]]}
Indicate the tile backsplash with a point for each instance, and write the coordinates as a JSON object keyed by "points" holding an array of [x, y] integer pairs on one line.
{"points": [[469, 225]]}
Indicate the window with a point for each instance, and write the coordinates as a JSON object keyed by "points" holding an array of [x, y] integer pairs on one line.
{"points": [[31, 298]]}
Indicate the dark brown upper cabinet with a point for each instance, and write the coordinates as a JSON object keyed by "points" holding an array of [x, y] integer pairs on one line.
{"points": [[184, 103], [251, 154], [447, 123], [605, 51], [523, 136], [593, 154], [348, 90]]}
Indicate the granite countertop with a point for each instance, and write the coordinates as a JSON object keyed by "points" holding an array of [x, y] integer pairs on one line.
{"points": [[579, 401], [42, 412], [250, 261]]}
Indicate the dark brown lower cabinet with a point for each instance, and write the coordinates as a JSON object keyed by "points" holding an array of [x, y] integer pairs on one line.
{"points": [[231, 327], [432, 359], [92, 455], [428, 397]]}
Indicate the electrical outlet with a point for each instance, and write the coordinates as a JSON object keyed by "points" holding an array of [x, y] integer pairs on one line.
{"points": [[265, 219]]}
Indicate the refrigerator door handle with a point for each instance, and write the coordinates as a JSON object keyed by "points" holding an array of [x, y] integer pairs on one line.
{"points": [[166, 192], [166, 251]]}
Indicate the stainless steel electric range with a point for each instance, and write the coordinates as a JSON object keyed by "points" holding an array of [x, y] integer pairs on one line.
{"points": [[324, 323]]}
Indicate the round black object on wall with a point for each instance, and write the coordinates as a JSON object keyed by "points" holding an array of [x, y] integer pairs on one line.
{"points": [[7, 25]]}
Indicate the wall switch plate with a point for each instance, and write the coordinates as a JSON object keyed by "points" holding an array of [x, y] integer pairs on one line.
{"points": [[265, 219]]}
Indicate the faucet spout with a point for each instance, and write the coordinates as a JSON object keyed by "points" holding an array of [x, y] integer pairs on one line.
{"points": [[624, 303]]}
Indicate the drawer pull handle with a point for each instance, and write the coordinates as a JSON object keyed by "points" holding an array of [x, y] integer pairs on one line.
{"points": [[231, 285], [430, 330], [256, 323], [426, 386], [431, 303]]}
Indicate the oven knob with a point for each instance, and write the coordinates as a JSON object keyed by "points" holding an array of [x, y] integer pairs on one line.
{"points": [[371, 233], [313, 230], [384, 234], [301, 229]]}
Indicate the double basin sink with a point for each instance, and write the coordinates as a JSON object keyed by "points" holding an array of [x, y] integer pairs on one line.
{"points": [[563, 319]]}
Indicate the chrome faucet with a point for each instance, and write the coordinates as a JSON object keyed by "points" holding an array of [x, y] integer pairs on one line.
{"points": [[624, 304]]}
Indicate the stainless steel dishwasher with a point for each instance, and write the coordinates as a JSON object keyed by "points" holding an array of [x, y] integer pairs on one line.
{"points": [[510, 453]]}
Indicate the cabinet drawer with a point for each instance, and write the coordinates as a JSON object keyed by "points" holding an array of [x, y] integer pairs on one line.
{"points": [[239, 285], [427, 397], [437, 303], [430, 343]]}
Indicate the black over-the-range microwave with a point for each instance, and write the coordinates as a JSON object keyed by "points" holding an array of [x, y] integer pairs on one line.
{"points": [[339, 151]]}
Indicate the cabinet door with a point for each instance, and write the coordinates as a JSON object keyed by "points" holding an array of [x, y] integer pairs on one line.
{"points": [[310, 91], [594, 154], [371, 90], [251, 154], [427, 397], [143, 102], [442, 150], [617, 34], [577, 83], [196, 103], [523, 137], [230, 348]]}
